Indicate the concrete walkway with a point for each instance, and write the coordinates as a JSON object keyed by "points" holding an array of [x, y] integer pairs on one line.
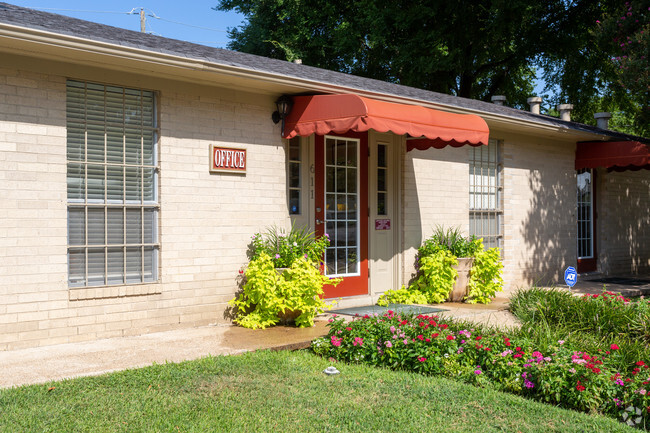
{"points": [[44, 364]]}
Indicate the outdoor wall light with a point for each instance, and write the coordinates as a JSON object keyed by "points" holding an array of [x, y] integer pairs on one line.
{"points": [[283, 105]]}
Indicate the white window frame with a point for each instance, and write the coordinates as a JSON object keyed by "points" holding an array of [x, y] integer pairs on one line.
{"points": [[486, 193], [113, 203]]}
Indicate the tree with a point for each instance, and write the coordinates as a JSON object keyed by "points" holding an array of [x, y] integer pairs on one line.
{"points": [[626, 34], [467, 48]]}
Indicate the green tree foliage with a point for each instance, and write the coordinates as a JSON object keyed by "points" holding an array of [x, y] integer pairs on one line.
{"points": [[467, 48], [626, 34]]}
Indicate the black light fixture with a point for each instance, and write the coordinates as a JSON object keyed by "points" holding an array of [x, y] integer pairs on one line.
{"points": [[283, 105]]}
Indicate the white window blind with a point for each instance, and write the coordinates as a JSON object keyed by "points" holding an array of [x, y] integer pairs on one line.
{"points": [[112, 185]]}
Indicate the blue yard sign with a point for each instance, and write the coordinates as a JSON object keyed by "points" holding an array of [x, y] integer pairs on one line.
{"points": [[570, 276]]}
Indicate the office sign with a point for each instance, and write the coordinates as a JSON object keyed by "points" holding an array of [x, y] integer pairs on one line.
{"points": [[227, 159]]}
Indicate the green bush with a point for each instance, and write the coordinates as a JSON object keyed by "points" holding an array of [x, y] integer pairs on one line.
{"points": [[592, 321], [606, 314], [402, 296], [451, 240], [286, 247], [268, 294], [437, 276], [485, 278]]}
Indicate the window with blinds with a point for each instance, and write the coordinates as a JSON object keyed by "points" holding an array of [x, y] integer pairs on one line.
{"points": [[485, 198], [112, 174]]}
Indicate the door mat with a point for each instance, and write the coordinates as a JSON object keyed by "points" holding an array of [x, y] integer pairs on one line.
{"points": [[622, 281], [397, 308]]}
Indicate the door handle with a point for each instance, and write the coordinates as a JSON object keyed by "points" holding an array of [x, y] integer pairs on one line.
{"points": [[319, 221]]}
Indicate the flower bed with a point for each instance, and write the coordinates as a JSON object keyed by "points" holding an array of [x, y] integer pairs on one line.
{"points": [[562, 375]]}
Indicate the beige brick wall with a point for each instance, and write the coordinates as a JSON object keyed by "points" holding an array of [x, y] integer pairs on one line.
{"points": [[435, 192], [539, 209], [623, 222], [206, 219], [539, 204]]}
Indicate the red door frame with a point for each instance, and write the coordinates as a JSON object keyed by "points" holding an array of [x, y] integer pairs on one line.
{"points": [[356, 285], [591, 264]]}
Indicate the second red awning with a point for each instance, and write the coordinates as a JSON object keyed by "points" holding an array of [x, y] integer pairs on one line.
{"points": [[326, 114], [613, 155]]}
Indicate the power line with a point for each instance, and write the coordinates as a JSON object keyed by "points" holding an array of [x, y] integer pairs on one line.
{"points": [[188, 25], [152, 14], [136, 11], [80, 10]]}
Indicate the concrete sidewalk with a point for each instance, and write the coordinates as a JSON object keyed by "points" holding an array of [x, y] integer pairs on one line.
{"points": [[49, 363], [44, 364]]}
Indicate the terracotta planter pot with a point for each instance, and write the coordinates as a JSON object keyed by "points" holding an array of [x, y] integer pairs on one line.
{"points": [[460, 290]]}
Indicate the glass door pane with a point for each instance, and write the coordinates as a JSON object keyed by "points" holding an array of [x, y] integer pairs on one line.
{"points": [[342, 215], [585, 214]]}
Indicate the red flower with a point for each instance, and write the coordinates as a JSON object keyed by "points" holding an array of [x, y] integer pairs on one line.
{"points": [[450, 337], [434, 335], [518, 349], [427, 340], [479, 337], [443, 326], [614, 347], [508, 343], [420, 337], [579, 387], [348, 329], [640, 363]]}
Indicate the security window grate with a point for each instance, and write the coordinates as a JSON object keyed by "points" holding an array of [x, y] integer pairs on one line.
{"points": [[485, 194]]}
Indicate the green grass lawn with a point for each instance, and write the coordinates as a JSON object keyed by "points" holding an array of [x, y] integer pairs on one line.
{"points": [[278, 392]]}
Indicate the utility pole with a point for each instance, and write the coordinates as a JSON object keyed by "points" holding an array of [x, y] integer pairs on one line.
{"points": [[143, 21]]}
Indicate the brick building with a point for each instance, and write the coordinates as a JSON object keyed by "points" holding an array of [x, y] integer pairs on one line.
{"points": [[114, 222]]}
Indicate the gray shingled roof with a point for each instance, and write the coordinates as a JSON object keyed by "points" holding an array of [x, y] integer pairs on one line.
{"points": [[33, 19]]}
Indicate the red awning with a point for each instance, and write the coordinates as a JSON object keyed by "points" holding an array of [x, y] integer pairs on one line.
{"points": [[325, 114], [614, 155]]}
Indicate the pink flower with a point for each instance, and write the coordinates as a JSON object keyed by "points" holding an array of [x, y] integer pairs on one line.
{"points": [[277, 256], [336, 341], [388, 344], [422, 359], [358, 341]]}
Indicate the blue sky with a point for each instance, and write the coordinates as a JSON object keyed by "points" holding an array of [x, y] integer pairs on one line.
{"points": [[193, 21]]}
